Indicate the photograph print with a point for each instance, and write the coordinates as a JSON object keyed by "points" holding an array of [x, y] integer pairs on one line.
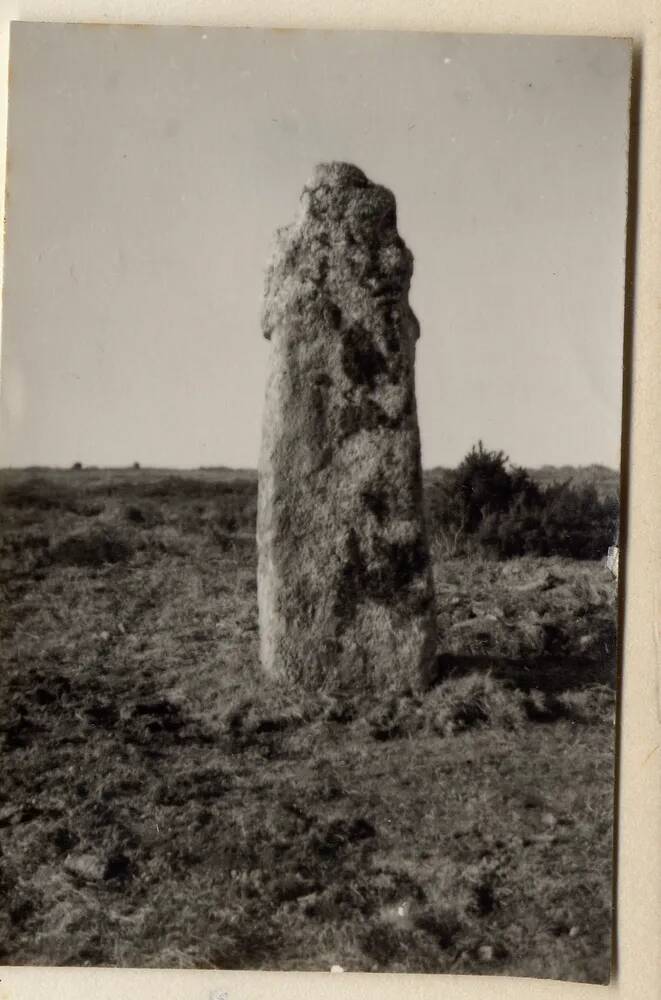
{"points": [[310, 499]]}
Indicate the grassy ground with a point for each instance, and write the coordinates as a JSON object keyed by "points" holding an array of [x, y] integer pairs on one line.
{"points": [[162, 805]]}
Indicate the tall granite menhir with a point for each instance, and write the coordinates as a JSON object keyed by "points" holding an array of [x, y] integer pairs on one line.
{"points": [[344, 579]]}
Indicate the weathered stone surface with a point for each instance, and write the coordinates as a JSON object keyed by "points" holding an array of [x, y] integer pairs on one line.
{"points": [[344, 579]]}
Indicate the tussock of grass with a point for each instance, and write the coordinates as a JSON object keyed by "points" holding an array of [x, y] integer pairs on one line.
{"points": [[594, 704], [258, 714], [474, 700], [591, 704]]}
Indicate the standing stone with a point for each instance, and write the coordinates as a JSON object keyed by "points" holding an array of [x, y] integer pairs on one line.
{"points": [[344, 578]]}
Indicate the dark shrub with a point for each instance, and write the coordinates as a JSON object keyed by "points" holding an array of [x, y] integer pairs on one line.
{"points": [[92, 547], [486, 505], [144, 515], [39, 493]]}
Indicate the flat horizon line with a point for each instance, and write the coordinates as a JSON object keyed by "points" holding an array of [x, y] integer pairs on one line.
{"points": [[254, 471]]}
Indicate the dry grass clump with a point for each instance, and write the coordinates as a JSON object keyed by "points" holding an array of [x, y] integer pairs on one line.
{"points": [[595, 703], [265, 706], [474, 700], [269, 710]]}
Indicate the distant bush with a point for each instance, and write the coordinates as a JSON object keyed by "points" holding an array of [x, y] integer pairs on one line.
{"points": [[489, 506]]}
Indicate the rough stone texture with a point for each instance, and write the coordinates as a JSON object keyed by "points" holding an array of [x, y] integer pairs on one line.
{"points": [[344, 581]]}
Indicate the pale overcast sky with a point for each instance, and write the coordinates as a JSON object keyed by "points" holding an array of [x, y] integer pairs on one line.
{"points": [[149, 167]]}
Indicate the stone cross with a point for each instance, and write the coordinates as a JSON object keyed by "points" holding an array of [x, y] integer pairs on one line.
{"points": [[345, 587]]}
